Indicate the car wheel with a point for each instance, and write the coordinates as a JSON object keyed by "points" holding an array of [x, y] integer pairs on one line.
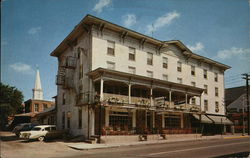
{"points": [[41, 138]]}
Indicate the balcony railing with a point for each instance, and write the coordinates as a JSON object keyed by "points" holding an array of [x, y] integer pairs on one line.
{"points": [[189, 107], [140, 101], [115, 98], [123, 99]]}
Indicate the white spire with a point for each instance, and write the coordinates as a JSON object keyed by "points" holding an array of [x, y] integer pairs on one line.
{"points": [[38, 91]]}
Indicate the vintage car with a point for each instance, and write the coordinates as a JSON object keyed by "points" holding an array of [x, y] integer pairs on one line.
{"points": [[23, 127], [42, 132]]}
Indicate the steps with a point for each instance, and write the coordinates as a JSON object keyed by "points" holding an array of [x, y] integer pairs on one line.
{"points": [[92, 140]]}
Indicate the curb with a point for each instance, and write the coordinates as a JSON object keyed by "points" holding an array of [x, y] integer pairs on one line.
{"points": [[236, 137]]}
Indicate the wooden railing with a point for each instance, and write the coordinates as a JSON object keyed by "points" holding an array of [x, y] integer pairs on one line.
{"points": [[190, 107], [140, 101]]}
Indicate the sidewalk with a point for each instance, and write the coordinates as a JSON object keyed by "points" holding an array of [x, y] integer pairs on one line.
{"points": [[86, 146]]}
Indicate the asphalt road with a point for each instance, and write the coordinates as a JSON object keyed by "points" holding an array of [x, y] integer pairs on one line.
{"points": [[239, 147]]}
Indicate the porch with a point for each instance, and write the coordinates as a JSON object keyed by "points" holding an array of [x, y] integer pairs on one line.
{"points": [[129, 104]]}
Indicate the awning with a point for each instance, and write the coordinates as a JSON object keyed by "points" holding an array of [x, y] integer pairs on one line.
{"points": [[204, 118], [220, 120]]}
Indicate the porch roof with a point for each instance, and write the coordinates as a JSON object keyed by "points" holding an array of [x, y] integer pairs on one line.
{"points": [[220, 119], [97, 73]]}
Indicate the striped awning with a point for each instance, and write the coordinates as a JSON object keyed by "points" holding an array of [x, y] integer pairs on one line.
{"points": [[220, 120], [204, 118]]}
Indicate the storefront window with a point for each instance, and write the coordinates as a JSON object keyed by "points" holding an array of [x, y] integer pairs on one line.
{"points": [[120, 120], [172, 121]]}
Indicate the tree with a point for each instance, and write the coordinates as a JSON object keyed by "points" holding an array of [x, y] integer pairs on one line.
{"points": [[10, 102]]}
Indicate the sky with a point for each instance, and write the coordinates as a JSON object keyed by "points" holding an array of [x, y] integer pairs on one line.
{"points": [[32, 29]]}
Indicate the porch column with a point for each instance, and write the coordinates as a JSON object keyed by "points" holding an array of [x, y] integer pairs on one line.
{"points": [[134, 119], [186, 99], [101, 89], [129, 93], [106, 117], [153, 119], [151, 97], [200, 102], [163, 120], [170, 98], [182, 121]]}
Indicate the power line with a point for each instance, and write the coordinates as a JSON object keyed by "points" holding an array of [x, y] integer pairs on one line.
{"points": [[247, 77]]}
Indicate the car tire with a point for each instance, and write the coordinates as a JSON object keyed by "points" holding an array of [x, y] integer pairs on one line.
{"points": [[41, 138]]}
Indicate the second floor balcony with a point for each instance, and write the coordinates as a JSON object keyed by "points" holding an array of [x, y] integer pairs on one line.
{"points": [[122, 89]]}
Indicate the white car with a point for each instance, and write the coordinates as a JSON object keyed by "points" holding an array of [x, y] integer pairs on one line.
{"points": [[41, 132]]}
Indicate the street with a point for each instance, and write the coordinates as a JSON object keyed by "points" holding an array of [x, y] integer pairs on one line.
{"points": [[240, 147], [208, 148]]}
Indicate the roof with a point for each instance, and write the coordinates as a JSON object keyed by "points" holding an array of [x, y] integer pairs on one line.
{"points": [[47, 111], [238, 103], [98, 71], [90, 20], [232, 94], [37, 100]]}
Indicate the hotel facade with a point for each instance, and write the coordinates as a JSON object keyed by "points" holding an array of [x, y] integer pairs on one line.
{"points": [[114, 81]]}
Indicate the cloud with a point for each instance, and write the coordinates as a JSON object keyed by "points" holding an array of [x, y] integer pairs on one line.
{"points": [[101, 4], [233, 52], [34, 30], [198, 47], [129, 20], [22, 68], [162, 21]]}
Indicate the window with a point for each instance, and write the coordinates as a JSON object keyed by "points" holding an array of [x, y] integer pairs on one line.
{"points": [[131, 70], [63, 120], [111, 48], [150, 74], [193, 70], [193, 84], [165, 63], [165, 77], [63, 99], [205, 105], [110, 65], [120, 120], [47, 128], [216, 106], [45, 106], [36, 107], [216, 77], [172, 121], [79, 118], [179, 80], [150, 59], [216, 91], [80, 71], [205, 89], [179, 66], [205, 74], [193, 101], [131, 54]]}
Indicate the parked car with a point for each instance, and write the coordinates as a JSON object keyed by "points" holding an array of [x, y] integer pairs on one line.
{"points": [[23, 127], [42, 132]]}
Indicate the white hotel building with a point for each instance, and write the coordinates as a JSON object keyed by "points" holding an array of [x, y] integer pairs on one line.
{"points": [[115, 81]]}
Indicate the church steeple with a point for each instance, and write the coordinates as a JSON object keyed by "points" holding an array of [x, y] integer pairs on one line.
{"points": [[38, 91]]}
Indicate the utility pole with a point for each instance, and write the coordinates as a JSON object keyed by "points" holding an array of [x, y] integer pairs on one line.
{"points": [[246, 77], [243, 120]]}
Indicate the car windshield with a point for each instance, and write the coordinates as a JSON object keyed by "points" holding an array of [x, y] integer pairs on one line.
{"points": [[36, 129]]}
